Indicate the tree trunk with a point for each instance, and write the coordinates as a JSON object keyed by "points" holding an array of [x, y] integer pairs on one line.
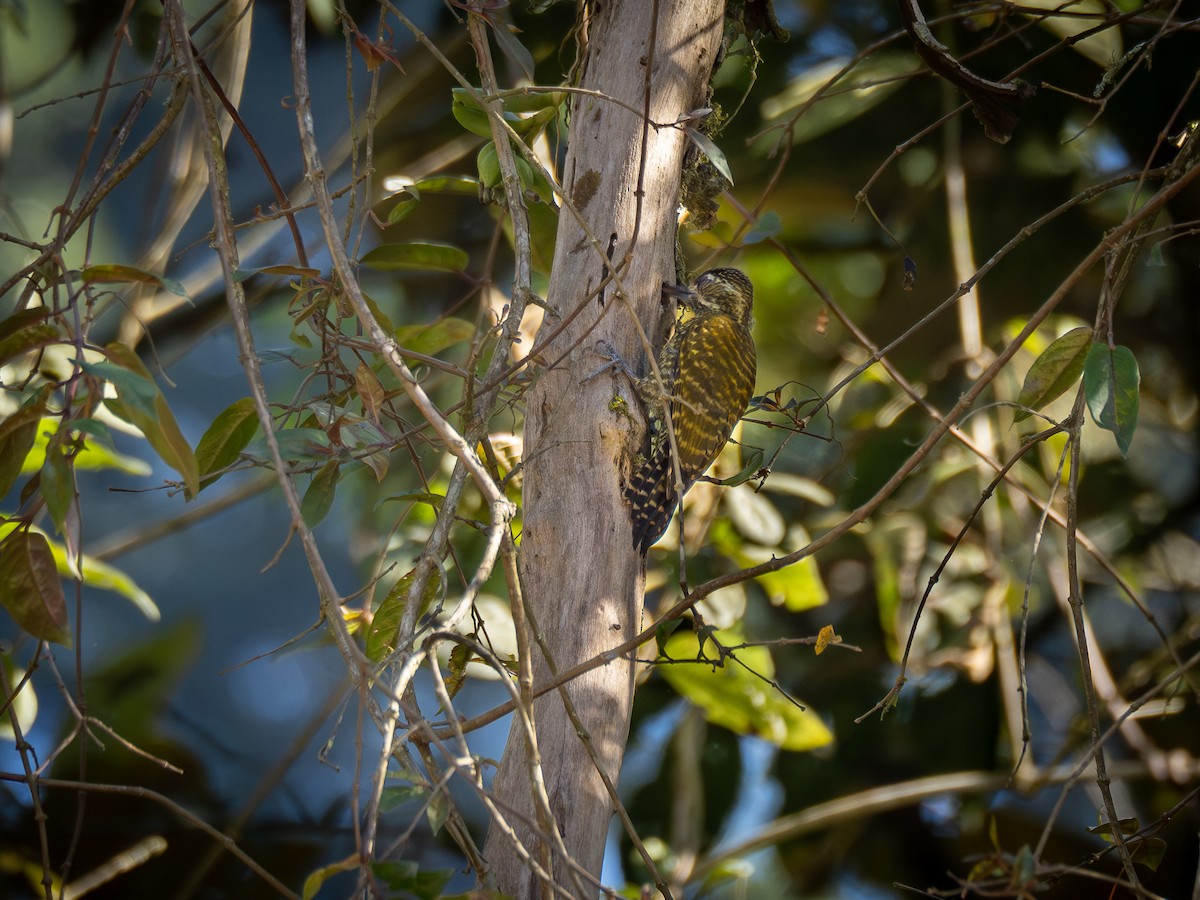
{"points": [[581, 576]]}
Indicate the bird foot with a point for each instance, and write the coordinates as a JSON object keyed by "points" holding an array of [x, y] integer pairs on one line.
{"points": [[615, 362]]}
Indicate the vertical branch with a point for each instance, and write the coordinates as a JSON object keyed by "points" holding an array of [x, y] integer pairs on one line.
{"points": [[582, 579], [226, 242], [1081, 641]]}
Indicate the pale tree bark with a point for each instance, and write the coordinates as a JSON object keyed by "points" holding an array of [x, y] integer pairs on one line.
{"points": [[582, 578]]}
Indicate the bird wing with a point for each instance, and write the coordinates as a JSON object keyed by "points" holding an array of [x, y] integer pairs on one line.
{"points": [[717, 368]]}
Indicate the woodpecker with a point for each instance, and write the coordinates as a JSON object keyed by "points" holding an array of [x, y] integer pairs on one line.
{"points": [[708, 368]]}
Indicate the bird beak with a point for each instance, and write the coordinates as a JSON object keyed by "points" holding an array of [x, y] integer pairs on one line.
{"points": [[680, 294]]}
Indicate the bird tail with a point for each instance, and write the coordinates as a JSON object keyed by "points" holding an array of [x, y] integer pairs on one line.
{"points": [[651, 498]]}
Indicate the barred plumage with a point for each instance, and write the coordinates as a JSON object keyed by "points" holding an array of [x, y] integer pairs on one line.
{"points": [[708, 368]]}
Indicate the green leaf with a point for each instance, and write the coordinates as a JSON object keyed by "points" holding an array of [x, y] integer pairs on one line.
{"points": [[1054, 371], [19, 321], [228, 435], [403, 209], [30, 588], [318, 499], [142, 404], [58, 484], [1024, 866], [1111, 380], [470, 113], [768, 225], [750, 468], [429, 255], [456, 668], [796, 587], [711, 150], [95, 573], [1149, 852], [395, 796], [18, 434], [295, 444], [462, 185], [488, 165], [434, 500], [385, 623], [511, 46], [93, 453], [136, 390], [876, 78], [405, 878], [429, 340], [316, 880], [117, 274], [101, 575], [23, 705], [1103, 48], [301, 272], [735, 698], [29, 338], [437, 812], [384, 322]]}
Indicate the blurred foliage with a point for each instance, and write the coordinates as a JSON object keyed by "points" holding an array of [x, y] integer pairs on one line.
{"points": [[859, 220]]}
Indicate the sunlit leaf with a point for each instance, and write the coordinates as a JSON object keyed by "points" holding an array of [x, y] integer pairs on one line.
{"points": [[316, 880], [1111, 380], [30, 588], [118, 274], [734, 697], [841, 106], [796, 587], [1054, 371], [449, 184], [1103, 48], [456, 674], [430, 255], [94, 452], [94, 573], [24, 699], [385, 624], [825, 637]]}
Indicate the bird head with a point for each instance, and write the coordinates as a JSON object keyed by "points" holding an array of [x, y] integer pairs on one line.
{"points": [[726, 291]]}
